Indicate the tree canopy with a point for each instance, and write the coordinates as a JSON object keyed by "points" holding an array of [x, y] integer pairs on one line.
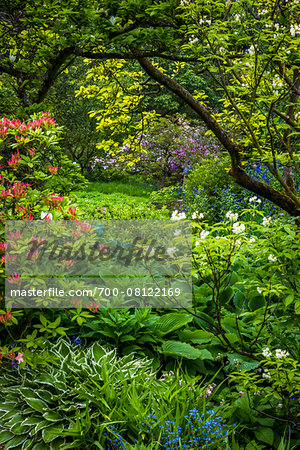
{"points": [[248, 49]]}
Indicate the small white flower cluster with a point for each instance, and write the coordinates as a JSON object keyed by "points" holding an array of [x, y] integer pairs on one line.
{"points": [[197, 215], [204, 234], [238, 228], [185, 2], [219, 357], [272, 258], [208, 390], [252, 240], [266, 221], [171, 250], [205, 21], [266, 374], [251, 50], [295, 29], [176, 215], [259, 290], [263, 12], [232, 216], [165, 376], [277, 82], [193, 39], [266, 352], [254, 200], [297, 116], [279, 354]]}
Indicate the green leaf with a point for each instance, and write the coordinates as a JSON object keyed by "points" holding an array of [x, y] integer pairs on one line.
{"points": [[19, 428], [172, 321], [51, 433], [43, 320], [31, 421], [52, 416], [184, 350], [97, 351], [257, 302], [265, 435], [46, 378], [36, 404], [5, 436], [197, 336], [17, 440]]}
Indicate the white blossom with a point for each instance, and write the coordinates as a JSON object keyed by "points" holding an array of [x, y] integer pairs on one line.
{"points": [[266, 221], [266, 352], [272, 258], [178, 216], [252, 240], [171, 250], [259, 290], [197, 215], [232, 216], [266, 375], [238, 228], [295, 29], [251, 50], [254, 200], [281, 353], [204, 234]]}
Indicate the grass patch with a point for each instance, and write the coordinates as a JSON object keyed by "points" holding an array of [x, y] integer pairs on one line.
{"points": [[133, 188], [119, 201]]}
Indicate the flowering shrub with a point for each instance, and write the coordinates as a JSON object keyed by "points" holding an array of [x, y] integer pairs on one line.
{"points": [[168, 151], [34, 177], [211, 189], [273, 389], [246, 299], [198, 430]]}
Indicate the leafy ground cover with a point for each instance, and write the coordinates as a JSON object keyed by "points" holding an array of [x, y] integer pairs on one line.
{"points": [[223, 374]]}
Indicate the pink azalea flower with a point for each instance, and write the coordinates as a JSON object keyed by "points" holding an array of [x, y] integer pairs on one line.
{"points": [[19, 358]]}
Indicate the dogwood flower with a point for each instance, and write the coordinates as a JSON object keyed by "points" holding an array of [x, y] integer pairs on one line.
{"points": [[232, 216], [171, 250], [238, 228], [266, 221], [266, 375], [272, 258], [266, 352], [176, 215], [281, 353], [197, 215]]}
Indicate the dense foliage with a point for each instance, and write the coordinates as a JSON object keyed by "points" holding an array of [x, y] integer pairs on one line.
{"points": [[169, 110]]}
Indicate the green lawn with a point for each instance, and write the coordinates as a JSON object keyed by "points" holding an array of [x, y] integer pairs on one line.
{"points": [[118, 200]]}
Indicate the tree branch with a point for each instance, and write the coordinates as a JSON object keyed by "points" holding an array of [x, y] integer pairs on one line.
{"points": [[52, 72], [133, 55], [239, 175]]}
